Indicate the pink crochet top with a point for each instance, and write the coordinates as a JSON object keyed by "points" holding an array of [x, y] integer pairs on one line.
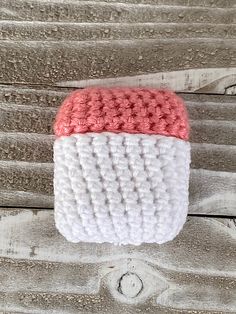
{"points": [[130, 110]]}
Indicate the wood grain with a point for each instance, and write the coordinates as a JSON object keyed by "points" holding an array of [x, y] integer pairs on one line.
{"points": [[27, 119], [49, 47], [72, 31], [67, 43], [55, 62], [38, 148], [31, 184], [26, 154], [34, 269], [100, 12], [206, 80], [188, 3]]}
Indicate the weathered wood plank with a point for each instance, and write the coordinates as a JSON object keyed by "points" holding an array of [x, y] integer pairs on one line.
{"points": [[206, 80], [26, 119], [26, 147], [27, 176], [41, 97], [38, 148], [210, 108], [88, 40], [191, 3], [213, 157], [33, 111], [24, 62], [207, 131], [13, 198], [51, 246], [14, 118], [91, 11], [202, 104], [211, 192], [26, 168], [180, 44], [55, 31], [38, 266]]}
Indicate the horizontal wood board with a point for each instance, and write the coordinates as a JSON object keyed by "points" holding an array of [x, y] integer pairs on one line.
{"points": [[26, 149], [42, 273], [50, 47], [68, 42]]}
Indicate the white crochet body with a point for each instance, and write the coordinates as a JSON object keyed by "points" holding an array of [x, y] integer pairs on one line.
{"points": [[120, 188]]}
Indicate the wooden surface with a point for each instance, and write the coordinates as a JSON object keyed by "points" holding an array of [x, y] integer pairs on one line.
{"points": [[48, 48], [195, 271], [26, 153]]}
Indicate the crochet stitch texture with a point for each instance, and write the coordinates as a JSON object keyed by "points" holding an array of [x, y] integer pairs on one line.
{"points": [[131, 110], [121, 166]]}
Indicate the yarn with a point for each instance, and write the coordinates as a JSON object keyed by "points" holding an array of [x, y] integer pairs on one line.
{"points": [[130, 110], [121, 188], [121, 171]]}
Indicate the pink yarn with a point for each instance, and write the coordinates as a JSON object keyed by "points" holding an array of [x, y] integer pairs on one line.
{"points": [[130, 110]]}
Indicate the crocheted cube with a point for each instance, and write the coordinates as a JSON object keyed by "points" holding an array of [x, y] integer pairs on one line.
{"points": [[121, 166]]}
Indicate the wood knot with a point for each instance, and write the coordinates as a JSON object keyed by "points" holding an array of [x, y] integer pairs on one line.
{"points": [[130, 285]]}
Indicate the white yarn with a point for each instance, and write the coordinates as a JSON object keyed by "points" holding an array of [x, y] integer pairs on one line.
{"points": [[120, 188]]}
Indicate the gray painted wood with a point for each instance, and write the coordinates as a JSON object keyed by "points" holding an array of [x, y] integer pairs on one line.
{"points": [[72, 31], [128, 58], [188, 3], [31, 184], [48, 47], [93, 11], [42, 273], [26, 154], [63, 42]]}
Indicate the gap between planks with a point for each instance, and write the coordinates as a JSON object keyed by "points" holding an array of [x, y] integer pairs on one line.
{"points": [[13, 208]]}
